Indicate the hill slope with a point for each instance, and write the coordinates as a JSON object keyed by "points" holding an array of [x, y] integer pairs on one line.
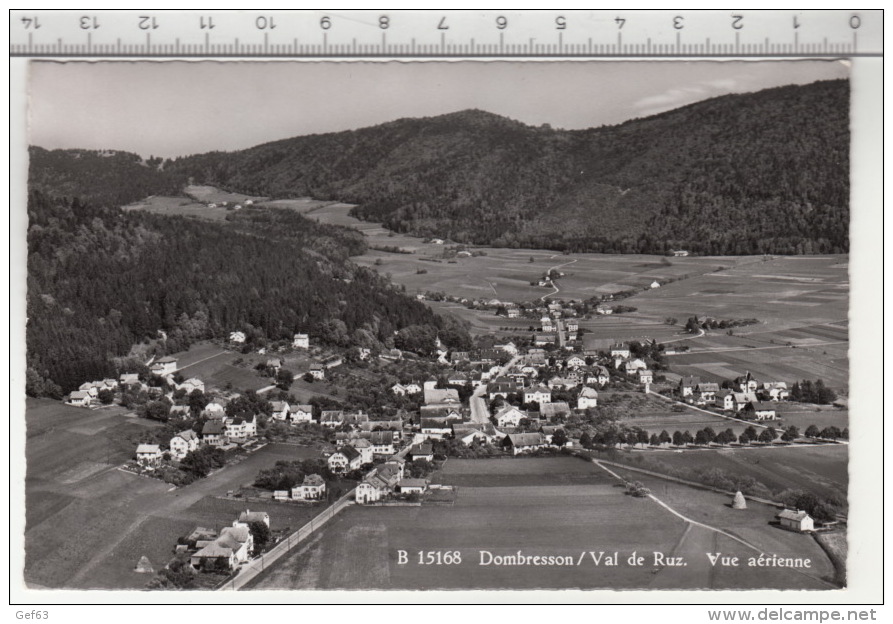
{"points": [[765, 172]]}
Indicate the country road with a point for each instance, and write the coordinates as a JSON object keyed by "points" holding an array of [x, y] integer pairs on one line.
{"points": [[480, 413], [557, 290]]}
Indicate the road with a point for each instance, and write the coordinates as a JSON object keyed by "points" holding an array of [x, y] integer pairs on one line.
{"points": [[698, 409], [480, 413], [549, 270]]}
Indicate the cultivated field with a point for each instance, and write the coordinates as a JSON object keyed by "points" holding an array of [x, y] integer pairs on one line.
{"points": [[209, 194], [88, 523], [566, 508]]}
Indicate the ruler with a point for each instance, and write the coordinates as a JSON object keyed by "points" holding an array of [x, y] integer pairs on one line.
{"points": [[447, 34]]}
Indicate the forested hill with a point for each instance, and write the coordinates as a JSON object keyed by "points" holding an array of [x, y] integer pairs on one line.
{"points": [[101, 279], [764, 172]]}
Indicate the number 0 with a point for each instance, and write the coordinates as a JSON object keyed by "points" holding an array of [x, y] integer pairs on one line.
{"points": [[855, 22]]}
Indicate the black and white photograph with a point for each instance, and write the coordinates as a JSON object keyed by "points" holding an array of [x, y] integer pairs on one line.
{"points": [[578, 325]]}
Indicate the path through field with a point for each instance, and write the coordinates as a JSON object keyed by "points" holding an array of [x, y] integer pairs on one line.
{"points": [[549, 270]]}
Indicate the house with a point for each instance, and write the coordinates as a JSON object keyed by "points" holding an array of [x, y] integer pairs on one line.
{"points": [[524, 442], [279, 410], [634, 366], [501, 387], [687, 385], [421, 452], [129, 379], [281, 495], [655, 284], [541, 340], [746, 383], [742, 399], [588, 398], [509, 416], [355, 419], [458, 378], [795, 520], [214, 409], [365, 449], [301, 413], [705, 392], [468, 433], [213, 433], [757, 410], [237, 337], [317, 371], [725, 399], [148, 454], [460, 356], [539, 394], [233, 545], [574, 361], [398, 389], [333, 362], [438, 396], [646, 377], [429, 384], [239, 430], [775, 390], [331, 418], [563, 383], [301, 341], [513, 312], [80, 398], [413, 388], [274, 363], [371, 489], [620, 350], [345, 459], [192, 384], [179, 411], [248, 516], [412, 486], [446, 412], [435, 427], [599, 375], [164, 366], [559, 409], [679, 253], [313, 488], [183, 443], [382, 442]]}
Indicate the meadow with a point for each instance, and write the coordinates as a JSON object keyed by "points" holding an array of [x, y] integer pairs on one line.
{"points": [[88, 523], [360, 548]]}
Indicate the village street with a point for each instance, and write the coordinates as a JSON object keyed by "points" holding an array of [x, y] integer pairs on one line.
{"points": [[480, 413]]}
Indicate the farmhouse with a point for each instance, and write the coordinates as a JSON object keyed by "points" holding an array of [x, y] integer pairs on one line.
{"points": [[80, 398], [421, 452], [725, 399], [429, 384], [509, 416], [190, 385], [237, 337], [458, 378], [746, 383], [774, 391], [317, 371], [460, 356], [183, 443], [274, 363], [331, 418], [541, 340], [129, 379], [588, 398], [301, 413], [382, 442], [679, 253], [373, 488], [646, 376], [412, 486], [539, 394], [741, 399], [366, 450], [239, 430], [563, 383], [524, 442], [509, 347], [687, 385], [436, 427], [634, 366], [559, 409], [599, 375], [467, 434], [513, 312], [795, 520], [436, 396], [345, 459], [164, 366], [148, 454], [313, 488], [279, 410], [501, 387], [301, 341], [757, 410], [573, 325], [655, 284], [233, 546], [574, 361], [705, 392]]}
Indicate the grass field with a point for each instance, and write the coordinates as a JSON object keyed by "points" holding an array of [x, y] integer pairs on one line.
{"points": [[180, 206], [567, 508], [88, 523]]}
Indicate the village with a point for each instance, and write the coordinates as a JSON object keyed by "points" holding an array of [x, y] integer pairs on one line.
{"points": [[538, 395]]}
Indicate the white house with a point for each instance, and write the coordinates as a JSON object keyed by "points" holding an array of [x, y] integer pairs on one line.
{"points": [[398, 389], [370, 490], [412, 388], [279, 410], [655, 284], [775, 390], [538, 394], [429, 384], [524, 442], [237, 337], [301, 341], [575, 361], [365, 449], [129, 379], [301, 413], [509, 416], [191, 385], [758, 410], [248, 516], [382, 442], [148, 454], [646, 376], [421, 452], [795, 520], [214, 433], [313, 488], [633, 366], [620, 350], [588, 398], [182, 443], [239, 430], [331, 418], [437, 396], [80, 398], [345, 459], [725, 399], [164, 366]]}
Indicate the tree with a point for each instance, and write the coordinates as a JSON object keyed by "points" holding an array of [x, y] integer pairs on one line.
{"points": [[106, 397], [654, 440], [768, 435], [790, 434], [700, 437], [261, 534], [664, 437], [686, 437], [642, 436], [284, 379], [812, 431], [586, 440], [677, 439], [559, 438]]}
